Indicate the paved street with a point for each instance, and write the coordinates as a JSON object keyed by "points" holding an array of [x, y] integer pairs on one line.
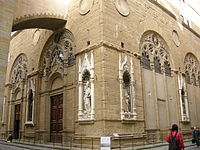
{"points": [[7, 147], [15, 146]]}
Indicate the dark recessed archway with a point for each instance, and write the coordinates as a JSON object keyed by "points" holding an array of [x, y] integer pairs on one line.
{"points": [[42, 22]]}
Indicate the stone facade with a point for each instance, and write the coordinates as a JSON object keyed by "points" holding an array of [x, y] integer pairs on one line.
{"points": [[125, 67]]}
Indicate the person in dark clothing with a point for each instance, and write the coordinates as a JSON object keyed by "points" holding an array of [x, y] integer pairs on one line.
{"points": [[195, 136]]}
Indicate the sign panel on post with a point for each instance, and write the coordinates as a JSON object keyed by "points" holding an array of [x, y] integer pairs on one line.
{"points": [[105, 143]]}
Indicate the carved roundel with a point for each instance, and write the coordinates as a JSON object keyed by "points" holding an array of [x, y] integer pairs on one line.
{"points": [[85, 6], [175, 38], [122, 7]]}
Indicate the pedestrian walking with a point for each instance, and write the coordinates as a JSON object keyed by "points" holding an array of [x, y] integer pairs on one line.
{"points": [[195, 136], [175, 139]]}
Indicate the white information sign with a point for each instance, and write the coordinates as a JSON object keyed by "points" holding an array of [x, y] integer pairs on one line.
{"points": [[105, 148], [105, 143]]}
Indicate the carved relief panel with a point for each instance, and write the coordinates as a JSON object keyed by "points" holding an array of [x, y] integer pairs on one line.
{"points": [[59, 53], [19, 71]]}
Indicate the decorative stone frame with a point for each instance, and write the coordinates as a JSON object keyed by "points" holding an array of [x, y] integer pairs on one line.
{"points": [[86, 66], [125, 66], [183, 98], [31, 86], [190, 76]]}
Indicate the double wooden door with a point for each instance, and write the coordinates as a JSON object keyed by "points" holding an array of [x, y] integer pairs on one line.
{"points": [[56, 118], [17, 122]]}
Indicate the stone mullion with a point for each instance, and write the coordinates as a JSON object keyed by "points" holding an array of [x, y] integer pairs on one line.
{"points": [[166, 94], [133, 102], [155, 93], [180, 80], [80, 90], [121, 87]]}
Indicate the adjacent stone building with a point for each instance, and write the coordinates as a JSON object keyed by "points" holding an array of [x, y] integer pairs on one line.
{"points": [[121, 67]]}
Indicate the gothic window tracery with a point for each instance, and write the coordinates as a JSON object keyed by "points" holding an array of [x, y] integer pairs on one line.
{"points": [[157, 65], [154, 50], [59, 51], [145, 61], [187, 77], [167, 68], [191, 69]]}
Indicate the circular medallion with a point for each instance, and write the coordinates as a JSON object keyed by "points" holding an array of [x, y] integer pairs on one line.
{"points": [[175, 38], [85, 6], [36, 37], [122, 7]]}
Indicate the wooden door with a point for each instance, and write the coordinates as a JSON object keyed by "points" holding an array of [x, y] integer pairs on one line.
{"points": [[17, 121], [56, 118]]}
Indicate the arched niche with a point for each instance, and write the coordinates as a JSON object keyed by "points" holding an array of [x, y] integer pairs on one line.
{"points": [[56, 81]]}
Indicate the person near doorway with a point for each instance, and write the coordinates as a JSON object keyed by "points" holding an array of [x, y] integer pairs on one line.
{"points": [[175, 139], [195, 136]]}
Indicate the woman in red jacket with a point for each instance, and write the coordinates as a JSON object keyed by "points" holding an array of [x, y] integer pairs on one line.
{"points": [[179, 137]]}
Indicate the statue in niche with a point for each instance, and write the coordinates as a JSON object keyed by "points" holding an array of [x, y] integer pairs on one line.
{"points": [[30, 104], [127, 92], [87, 97], [127, 99], [183, 100]]}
